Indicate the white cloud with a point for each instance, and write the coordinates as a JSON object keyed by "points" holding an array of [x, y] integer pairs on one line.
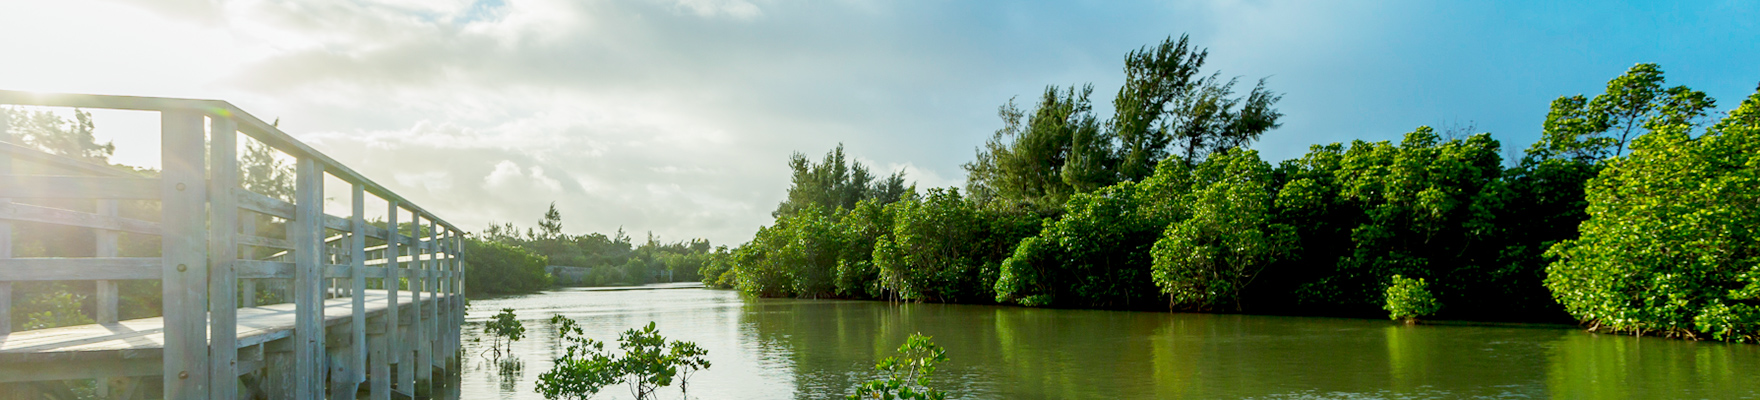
{"points": [[926, 178], [431, 181], [738, 9], [507, 176]]}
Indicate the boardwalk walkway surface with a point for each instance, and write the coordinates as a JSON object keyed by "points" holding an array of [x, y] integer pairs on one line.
{"points": [[336, 335], [145, 337]]}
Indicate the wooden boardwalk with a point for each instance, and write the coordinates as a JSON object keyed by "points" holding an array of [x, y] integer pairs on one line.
{"points": [[379, 321]]}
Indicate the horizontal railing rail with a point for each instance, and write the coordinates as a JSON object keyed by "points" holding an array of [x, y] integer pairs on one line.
{"points": [[245, 122]]}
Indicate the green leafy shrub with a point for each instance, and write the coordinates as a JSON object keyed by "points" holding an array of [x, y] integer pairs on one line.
{"points": [[1098, 253], [1425, 206], [758, 268], [1205, 261], [1409, 299], [857, 276], [563, 325], [505, 329], [927, 256], [647, 363], [684, 266], [797, 256], [55, 308], [718, 271], [1670, 246], [905, 376]]}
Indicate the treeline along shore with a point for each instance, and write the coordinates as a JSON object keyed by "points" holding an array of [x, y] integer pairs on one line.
{"points": [[1637, 211], [510, 261]]}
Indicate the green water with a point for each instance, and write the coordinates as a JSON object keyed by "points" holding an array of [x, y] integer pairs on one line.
{"points": [[809, 349]]}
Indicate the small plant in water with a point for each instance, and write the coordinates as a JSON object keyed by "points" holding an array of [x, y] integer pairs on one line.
{"points": [[905, 376], [563, 325], [648, 362], [1409, 299], [505, 329]]}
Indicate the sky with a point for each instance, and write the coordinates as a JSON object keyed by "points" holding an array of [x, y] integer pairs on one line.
{"points": [[677, 117]]}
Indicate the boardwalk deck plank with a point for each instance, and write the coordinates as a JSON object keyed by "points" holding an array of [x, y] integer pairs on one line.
{"points": [[256, 325]]}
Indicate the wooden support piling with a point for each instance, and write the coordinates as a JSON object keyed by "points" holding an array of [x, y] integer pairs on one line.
{"points": [[379, 373], [342, 384], [279, 370]]}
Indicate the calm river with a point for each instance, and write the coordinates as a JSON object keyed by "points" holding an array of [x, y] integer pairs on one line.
{"points": [[813, 349]]}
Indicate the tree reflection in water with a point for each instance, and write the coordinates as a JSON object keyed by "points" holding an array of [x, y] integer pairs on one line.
{"points": [[792, 348]]}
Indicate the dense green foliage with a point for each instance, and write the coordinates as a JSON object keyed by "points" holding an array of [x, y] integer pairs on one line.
{"points": [[1424, 208], [1409, 299], [1671, 244], [648, 362], [945, 248], [936, 247], [500, 268], [797, 256], [1097, 253], [717, 270], [907, 375], [1064, 209], [1205, 261], [824, 238]]}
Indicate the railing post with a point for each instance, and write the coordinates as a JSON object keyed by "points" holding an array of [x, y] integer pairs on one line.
{"points": [[247, 288], [357, 257], [418, 290], [308, 285], [5, 229], [406, 377], [433, 284], [183, 254], [222, 251], [458, 298], [460, 288], [451, 300], [106, 290]]}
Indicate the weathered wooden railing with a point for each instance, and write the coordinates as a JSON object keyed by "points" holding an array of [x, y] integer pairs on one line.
{"points": [[394, 305]]}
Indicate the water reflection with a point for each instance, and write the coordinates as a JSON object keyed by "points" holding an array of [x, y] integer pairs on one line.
{"points": [[1624, 367], [780, 348]]}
